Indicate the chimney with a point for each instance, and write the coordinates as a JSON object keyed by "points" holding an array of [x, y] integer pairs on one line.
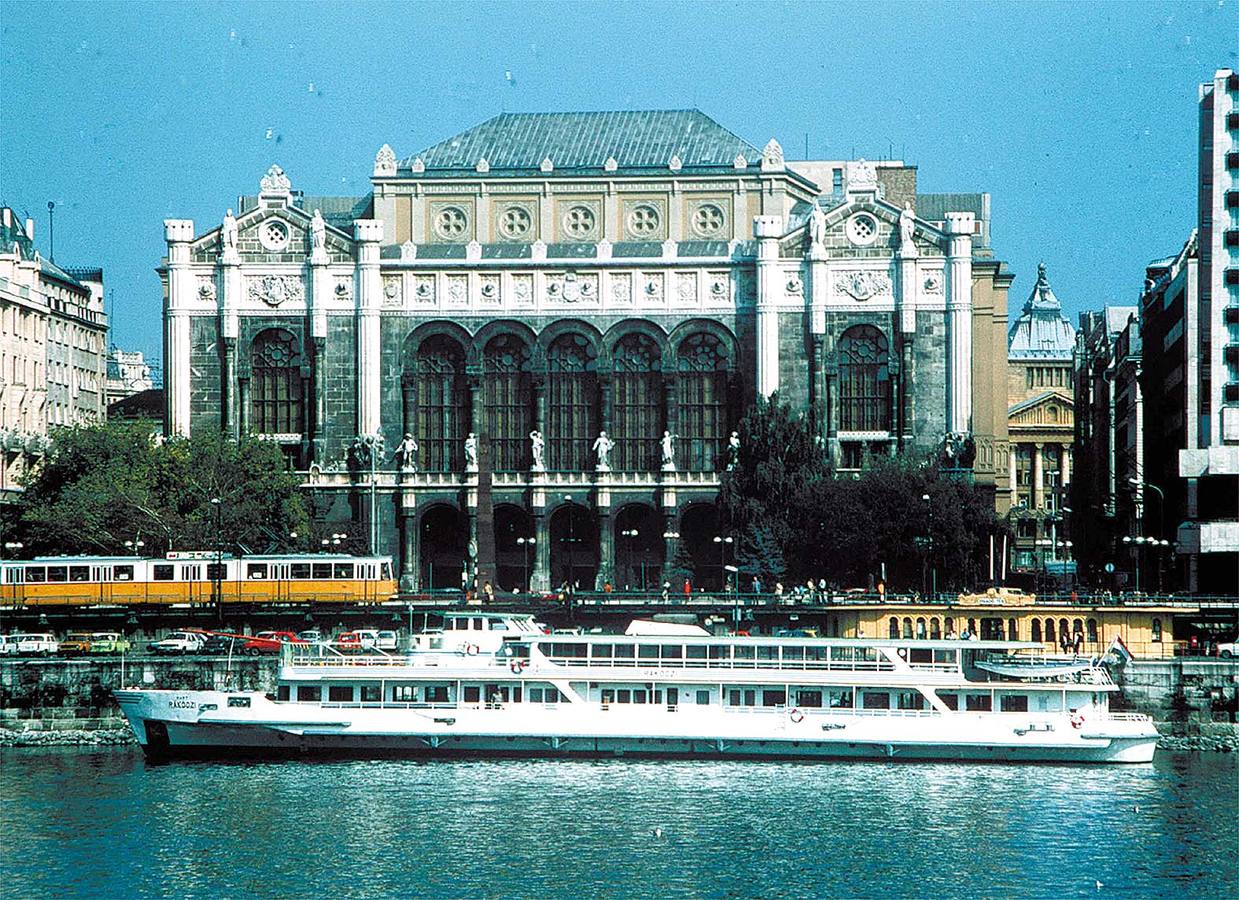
{"points": [[30, 229]]}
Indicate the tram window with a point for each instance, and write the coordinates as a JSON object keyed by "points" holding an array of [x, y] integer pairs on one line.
{"points": [[322, 571], [216, 572], [300, 570], [340, 693], [79, 573], [473, 693], [344, 570], [309, 692], [256, 570], [386, 571], [875, 700], [162, 572], [950, 701], [978, 702], [1014, 704], [36, 575], [625, 651], [57, 574], [535, 695], [600, 651], [648, 651], [673, 651], [13, 575], [370, 693], [774, 698]]}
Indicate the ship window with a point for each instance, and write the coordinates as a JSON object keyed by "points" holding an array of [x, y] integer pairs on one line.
{"points": [[1157, 631], [978, 702], [623, 696], [1092, 629], [625, 651], [648, 651], [720, 651], [535, 695], [163, 572], [600, 651], [875, 700], [1036, 630], [57, 574], [733, 698], [839, 698], [473, 694], [300, 570], [321, 571], [370, 693], [809, 699], [865, 654], [794, 655], [750, 698], [305, 692], [695, 651], [767, 653], [638, 696], [344, 570], [477, 625], [844, 654], [281, 693], [340, 693], [946, 656], [950, 701], [36, 575], [911, 700], [743, 656], [436, 693], [703, 698], [405, 693], [894, 629], [1014, 704], [672, 651], [774, 698]]}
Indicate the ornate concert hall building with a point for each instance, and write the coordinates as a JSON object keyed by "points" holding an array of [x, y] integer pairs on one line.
{"points": [[522, 356]]}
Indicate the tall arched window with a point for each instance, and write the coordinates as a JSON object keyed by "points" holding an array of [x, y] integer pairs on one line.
{"points": [[636, 401], [1036, 631], [442, 416], [506, 384], [702, 364], [894, 629], [864, 380], [572, 403], [275, 390], [1049, 631]]}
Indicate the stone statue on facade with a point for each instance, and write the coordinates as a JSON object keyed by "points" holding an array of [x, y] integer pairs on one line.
{"points": [[471, 452], [603, 446], [668, 451], [817, 226], [318, 231], [733, 451], [907, 227], [364, 452], [538, 449], [406, 455], [228, 232]]}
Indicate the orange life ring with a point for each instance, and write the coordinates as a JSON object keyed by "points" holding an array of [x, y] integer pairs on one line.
{"points": [[472, 649], [1077, 720], [517, 666], [796, 715]]}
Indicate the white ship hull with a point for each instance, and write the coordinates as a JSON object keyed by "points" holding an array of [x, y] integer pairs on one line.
{"points": [[202, 723]]}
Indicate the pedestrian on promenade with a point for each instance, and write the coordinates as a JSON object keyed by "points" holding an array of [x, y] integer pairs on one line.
{"points": [[688, 589], [666, 591]]}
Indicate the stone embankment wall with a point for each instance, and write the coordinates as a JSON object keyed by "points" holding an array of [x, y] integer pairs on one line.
{"points": [[55, 701]]}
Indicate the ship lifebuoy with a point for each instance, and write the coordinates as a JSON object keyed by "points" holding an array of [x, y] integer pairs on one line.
{"points": [[517, 666], [796, 715], [1077, 720], [472, 649]]}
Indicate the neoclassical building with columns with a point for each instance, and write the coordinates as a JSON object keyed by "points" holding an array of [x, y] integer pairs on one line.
{"points": [[521, 356]]}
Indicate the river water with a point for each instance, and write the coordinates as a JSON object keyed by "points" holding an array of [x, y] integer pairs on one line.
{"points": [[107, 824]]}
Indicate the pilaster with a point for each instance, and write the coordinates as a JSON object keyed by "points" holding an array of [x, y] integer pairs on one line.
{"points": [[178, 233], [959, 228], [369, 235], [767, 230]]}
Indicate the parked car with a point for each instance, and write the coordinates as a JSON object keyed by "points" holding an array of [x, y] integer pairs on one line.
{"points": [[387, 640], [33, 644], [1228, 649], [8, 647], [269, 642], [358, 639], [221, 644], [179, 642], [75, 642], [108, 642], [310, 636]]}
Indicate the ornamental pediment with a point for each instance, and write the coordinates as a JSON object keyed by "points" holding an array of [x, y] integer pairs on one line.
{"points": [[269, 235], [868, 228], [1048, 410]]}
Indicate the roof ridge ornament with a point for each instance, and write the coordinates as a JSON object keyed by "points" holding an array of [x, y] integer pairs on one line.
{"points": [[772, 157], [418, 166], [546, 165], [483, 166], [862, 177], [610, 165], [740, 162], [385, 162], [275, 183], [675, 164]]}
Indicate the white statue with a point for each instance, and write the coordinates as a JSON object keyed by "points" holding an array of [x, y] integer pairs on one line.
{"points": [[228, 231], [907, 226], [471, 452], [733, 451], [603, 446], [817, 225], [406, 454], [668, 447], [318, 231], [538, 446]]}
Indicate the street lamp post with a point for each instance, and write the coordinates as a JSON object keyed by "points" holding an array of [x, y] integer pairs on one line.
{"points": [[527, 543], [571, 547], [723, 542], [933, 568], [217, 587], [669, 535], [13, 547], [631, 534], [1137, 542]]}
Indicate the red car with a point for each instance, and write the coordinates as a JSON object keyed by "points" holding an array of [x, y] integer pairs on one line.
{"points": [[269, 642]]}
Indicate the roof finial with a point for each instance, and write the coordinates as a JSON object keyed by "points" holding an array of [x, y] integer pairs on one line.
{"points": [[1041, 271]]}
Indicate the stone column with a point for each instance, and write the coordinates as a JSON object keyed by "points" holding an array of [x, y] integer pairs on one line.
{"points": [[605, 404], [818, 375], [181, 295], [409, 556], [767, 230], [606, 547], [408, 405], [670, 545], [1038, 489], [541, 577], [959, 228], [320, 401], [1064, 465], [369, 235], [1012, 454], [228, 389], [228, 298], [320, 292]]}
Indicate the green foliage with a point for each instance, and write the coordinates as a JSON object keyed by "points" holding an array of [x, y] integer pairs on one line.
{"points": [[796, 521], [103, 485]]}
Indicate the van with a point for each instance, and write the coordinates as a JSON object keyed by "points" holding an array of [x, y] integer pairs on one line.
{"points": [[34, 644]]}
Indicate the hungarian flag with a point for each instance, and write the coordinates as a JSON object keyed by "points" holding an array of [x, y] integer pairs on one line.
{"points": [[1119, 649]]}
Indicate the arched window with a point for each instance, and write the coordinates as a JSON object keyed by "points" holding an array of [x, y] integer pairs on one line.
{"points": [[920, 628], [894, 630], [948, 625], [572, 403], [935, 630], [907, 628], [505, 397], [1062, 629], [1157, 631], [1036, 630], [636, 400], [275, 390], [442, 416], [1092, 630], [1077, 626], [702, 363], [864, 380], [1012, 631], [1049, 631]]}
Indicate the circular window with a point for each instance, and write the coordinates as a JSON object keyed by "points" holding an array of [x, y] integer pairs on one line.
{"points": [[451, 223], [862, 229], [708, 220], [579, 222], [515, 222], [643, 221], [273, 234]]}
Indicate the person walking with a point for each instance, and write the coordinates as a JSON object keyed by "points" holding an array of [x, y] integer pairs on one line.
{"points": [[666, 592]]}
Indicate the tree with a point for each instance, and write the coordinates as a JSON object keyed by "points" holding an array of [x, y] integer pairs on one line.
{"points": [[103, 485]]}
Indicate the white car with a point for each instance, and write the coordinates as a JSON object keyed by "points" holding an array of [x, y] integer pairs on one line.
{"points": [[386, 640], [31, 644], [7, 647], [1228, 650], [179, 642]]}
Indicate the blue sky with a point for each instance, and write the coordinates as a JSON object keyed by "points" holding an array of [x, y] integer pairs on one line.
{"points": [[1079, 119]]}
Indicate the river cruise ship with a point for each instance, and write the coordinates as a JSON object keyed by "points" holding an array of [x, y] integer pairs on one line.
{"points": [[499, 684]]}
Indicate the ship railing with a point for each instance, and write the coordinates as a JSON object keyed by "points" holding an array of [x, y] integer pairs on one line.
{"points": [[1127, 717], [880, 665]]}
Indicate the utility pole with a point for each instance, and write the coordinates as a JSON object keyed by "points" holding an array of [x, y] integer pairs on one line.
{"points": [[51, 230]]}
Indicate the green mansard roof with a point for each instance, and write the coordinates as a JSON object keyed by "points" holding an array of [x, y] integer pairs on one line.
{"points": [[637, 140]]}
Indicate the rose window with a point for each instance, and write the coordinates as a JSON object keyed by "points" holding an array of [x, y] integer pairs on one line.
{"points": [[579, 222], [708, 219], [273, 234], [643, 221], [515, 222], [862, 229], [451, 223]]}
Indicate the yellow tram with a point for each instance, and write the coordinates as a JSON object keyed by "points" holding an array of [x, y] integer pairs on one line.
{"points": [[192, 577]]}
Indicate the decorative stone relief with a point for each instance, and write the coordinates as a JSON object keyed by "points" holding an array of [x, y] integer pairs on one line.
{"points": [[862, 229], [932, 283], [344, 289], [794, 283], [643, 220], [546, 165], [522, 289], [515, 221], [580, 221], [275, 290], [653, 289], [719, 286], [675, 163], [489, 288], [621, 288], [385, 161], [408, 251], [686, 287], [451, 223], [863, 285], [483, 166], [424, 288], [708, 220], [589, 287], [391, 290], [275, 182], [206, 289], [273, 235], [862, 176], [772, 156], [458, 289], [555, 288]]}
